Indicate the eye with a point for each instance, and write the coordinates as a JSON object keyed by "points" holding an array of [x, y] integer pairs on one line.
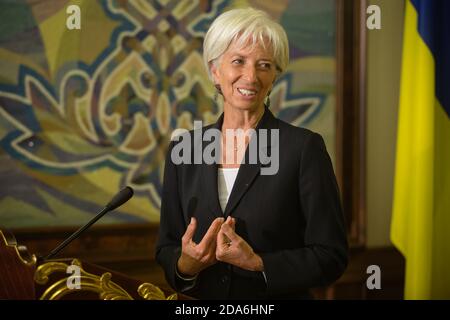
{"points": [[237, 61], [265, 65]]}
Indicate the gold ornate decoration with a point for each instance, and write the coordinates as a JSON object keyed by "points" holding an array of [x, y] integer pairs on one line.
{"points": [[107, 289], [21, 251], [149, 291]]}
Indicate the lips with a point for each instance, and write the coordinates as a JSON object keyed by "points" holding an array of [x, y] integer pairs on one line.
{"points": [[247, 92]]}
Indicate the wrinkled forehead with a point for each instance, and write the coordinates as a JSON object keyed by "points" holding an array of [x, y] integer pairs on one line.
{"points": [[252, 44]]}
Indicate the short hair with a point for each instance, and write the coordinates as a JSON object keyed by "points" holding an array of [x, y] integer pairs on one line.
{"points": [[243, 25]]}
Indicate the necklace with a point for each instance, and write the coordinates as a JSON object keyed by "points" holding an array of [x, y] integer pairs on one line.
{"points": [[226, 135]]}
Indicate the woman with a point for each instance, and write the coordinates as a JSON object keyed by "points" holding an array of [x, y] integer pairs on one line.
{"points": [[227, 230]]}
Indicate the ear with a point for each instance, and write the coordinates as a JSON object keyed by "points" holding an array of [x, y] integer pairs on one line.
{"points": [[214, 71]]}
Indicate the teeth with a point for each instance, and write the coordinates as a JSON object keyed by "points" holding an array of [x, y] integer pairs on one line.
{"points": [[246, 92]]}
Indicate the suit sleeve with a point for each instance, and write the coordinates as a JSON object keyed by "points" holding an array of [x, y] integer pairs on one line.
{"points": [[172, 225], [324, 257]]}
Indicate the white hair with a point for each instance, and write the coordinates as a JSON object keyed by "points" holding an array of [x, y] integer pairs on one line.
{"points": [[242, 25]]}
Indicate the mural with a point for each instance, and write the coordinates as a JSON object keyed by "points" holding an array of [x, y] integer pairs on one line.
{"points": [[84, 113]]}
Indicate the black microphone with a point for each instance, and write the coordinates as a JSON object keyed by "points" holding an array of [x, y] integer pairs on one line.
{"points": [[119, 199]]}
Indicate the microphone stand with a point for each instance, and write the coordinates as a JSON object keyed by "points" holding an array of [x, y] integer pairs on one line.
{"points": [[55, 251], [119, 199]]}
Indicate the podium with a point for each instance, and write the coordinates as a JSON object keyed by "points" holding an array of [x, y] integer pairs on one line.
{"points": [[23, 276]]}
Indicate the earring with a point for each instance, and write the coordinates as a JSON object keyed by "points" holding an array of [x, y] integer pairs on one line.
{"points": [[218, 91], [267, 102]]}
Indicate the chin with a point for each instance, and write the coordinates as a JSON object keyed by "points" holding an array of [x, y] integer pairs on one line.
{"points": [[247, 106]]}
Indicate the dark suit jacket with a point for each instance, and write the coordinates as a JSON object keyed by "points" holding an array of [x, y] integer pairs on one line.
{"points": [[292, 219]]}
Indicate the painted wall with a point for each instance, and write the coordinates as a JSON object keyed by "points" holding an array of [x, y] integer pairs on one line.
{"points": [[84, 113]]}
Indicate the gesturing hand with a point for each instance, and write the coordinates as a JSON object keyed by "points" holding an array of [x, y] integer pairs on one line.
{"points": [[234, 250], [196, 257]]}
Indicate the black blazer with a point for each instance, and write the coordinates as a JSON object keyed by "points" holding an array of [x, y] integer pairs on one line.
{"points": [[292, 219]]}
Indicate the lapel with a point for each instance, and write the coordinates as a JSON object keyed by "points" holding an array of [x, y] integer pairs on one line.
{"points": [[209, 176], [247, 171]]}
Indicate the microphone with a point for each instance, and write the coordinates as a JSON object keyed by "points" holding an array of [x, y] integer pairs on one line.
{"points": [[119, 199]]}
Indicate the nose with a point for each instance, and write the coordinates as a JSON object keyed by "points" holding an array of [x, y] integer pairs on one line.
{"points": [[249, 73]]}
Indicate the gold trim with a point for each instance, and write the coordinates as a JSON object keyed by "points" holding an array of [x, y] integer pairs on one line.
{"points": [[107, 289], [149, 291], [28, 262]]}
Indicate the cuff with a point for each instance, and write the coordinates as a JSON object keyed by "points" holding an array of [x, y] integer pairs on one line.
{"points": [[185, 283], [185, 278], [264, 275]]}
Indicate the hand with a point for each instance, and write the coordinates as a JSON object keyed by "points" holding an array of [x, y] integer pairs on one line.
{"points": [[234, 250], [196, 257]]}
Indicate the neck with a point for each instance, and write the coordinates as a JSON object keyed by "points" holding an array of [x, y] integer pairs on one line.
{"points": [[241, 119]]}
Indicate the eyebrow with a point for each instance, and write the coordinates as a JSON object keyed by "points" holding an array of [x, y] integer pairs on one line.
{"points": [[237, 55]]}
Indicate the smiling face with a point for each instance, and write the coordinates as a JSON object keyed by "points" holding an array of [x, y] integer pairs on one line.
{"points": [[245, 75]]}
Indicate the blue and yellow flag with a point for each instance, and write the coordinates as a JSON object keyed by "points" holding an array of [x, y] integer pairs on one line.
{"points": [[421, 211]]}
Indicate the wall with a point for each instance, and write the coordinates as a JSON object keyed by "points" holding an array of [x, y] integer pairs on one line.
{"points": [[383, 76], [86, 112]]}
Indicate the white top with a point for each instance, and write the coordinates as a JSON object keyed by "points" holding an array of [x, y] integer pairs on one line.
{"points": [[225, 182]]}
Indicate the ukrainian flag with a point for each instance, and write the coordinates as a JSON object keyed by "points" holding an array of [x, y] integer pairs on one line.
{"points": [[421, 210]]}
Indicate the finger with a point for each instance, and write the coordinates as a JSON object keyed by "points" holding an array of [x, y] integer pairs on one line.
{"points": [[222, 240], [211, 234], [190, 230], [231, 222], [229, 232]]}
